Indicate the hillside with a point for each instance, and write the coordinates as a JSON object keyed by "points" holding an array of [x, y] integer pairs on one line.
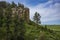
{"points": [[42, 33], [33, 32]]}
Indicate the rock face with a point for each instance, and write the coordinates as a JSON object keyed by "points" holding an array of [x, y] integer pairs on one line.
{"points": [[21, 12]]}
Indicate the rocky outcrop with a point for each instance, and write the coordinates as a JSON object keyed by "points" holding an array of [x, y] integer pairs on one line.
{"points": [[22, 12]]}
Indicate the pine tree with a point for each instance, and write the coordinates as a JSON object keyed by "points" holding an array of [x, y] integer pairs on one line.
{"points": [[13, 5], [20, 5], [36, 18]]}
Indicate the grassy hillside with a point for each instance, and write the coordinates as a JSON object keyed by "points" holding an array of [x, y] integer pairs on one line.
{"points": [[42, 33], [34, 32]]}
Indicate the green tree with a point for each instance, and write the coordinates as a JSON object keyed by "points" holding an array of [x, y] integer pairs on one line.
{"points": [[20, 5], [13, 5], [36, 18]]}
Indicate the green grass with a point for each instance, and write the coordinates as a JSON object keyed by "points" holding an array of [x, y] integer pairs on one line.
{"points": [[54, 27], [32, 32]]}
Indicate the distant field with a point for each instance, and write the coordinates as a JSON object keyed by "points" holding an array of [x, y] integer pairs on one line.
{"points": [[54, 27]]}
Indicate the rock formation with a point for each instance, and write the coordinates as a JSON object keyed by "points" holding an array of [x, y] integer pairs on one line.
{"points": [[22, 12]]}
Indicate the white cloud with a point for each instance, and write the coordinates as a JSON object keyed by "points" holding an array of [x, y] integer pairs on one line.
{"points": [[49, 11]]}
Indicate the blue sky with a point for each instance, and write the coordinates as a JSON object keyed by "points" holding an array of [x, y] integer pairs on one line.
{"points": [[48, 9]]}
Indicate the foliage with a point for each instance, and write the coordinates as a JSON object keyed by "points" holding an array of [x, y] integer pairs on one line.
{"points": [[37, 18]]}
